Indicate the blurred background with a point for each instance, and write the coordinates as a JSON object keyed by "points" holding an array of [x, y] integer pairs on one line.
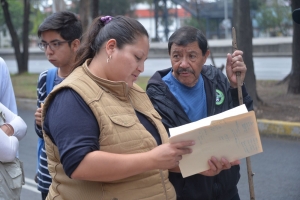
{"points": [[266, 34], [270, 18], [265, 30]]}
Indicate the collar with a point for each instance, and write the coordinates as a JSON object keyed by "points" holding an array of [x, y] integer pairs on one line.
{"points": [[119, 89]]}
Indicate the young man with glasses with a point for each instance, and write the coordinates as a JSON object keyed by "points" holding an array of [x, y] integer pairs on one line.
{"points": [[60, 35]]}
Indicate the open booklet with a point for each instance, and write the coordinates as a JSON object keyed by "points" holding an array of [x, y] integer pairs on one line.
{"points": [[232, 134]]}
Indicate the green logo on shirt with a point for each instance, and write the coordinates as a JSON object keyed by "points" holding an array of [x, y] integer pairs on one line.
{"points": [[219, 97]]}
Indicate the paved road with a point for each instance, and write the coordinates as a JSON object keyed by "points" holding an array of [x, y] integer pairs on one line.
{"points": [[266, 68], [277, 175]]}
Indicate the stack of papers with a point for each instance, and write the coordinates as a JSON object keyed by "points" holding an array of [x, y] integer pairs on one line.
{"points": [[232, 134]]}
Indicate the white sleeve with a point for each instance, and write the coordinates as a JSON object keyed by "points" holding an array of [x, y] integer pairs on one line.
{"points": [[7, 95], [20, 127], [8, 147]]}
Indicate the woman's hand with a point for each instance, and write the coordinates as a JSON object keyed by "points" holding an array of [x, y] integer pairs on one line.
{"points": [[167, 156], [216, 166]]}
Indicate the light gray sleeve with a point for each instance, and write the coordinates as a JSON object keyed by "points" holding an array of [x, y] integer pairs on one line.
{"points": [[8, 147], [7, 95], [18, 124]]}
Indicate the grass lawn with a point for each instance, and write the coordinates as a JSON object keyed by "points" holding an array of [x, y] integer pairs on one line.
{"points": [[142, 81], [25, 84]]}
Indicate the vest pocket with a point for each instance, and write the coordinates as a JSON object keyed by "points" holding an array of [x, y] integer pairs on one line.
{"points": [[13, 176], [123, 120]]}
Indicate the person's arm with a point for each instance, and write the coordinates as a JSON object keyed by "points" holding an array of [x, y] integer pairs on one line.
{"points": [[7, 95], [105, 167], [8, 146], [78, 144], [235, 63], [13, 130], [14, 124], [41, 95], [216, 166]]}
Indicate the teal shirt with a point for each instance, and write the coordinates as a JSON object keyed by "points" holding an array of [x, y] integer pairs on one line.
{"points": [[192, 99]]}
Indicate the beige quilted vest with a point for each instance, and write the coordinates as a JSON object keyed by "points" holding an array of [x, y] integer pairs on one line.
{"points": [[113, 105]]}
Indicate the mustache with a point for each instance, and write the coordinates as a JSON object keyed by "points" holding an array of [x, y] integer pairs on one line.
{"points": [[185, 70]]}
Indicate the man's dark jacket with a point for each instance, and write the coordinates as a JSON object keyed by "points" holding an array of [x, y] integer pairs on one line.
{"points": [[198, 187]]}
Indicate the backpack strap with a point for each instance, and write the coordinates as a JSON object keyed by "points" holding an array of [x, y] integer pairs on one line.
{"points": [[50, 79], [49, 86]]}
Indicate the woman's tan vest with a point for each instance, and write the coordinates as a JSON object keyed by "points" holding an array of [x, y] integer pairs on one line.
{"points": [[113, 105]]}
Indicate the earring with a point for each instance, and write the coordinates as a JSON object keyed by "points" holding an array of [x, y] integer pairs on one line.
{"points": [[108, 59]]}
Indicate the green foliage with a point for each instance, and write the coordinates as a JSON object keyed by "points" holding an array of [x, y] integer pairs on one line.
{"points": [[15, 8], [204, 25], [200, 24], [256, 4], [16, 13], [275, 19], [108, 7], [36, 18]]}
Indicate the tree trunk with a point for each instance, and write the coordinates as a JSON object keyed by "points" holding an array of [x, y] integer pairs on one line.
{"points": [[95, 8], [58, 5], [13, 34], [156, 7], [84, 14], [294, 83], [25, 38], [243, 25]]}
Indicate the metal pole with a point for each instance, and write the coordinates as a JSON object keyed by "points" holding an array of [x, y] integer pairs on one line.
{"points": [[240, 96]]}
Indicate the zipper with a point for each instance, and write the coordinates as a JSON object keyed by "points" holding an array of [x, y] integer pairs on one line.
{"points": [[160, 171], [162, 182], [213, 105]]}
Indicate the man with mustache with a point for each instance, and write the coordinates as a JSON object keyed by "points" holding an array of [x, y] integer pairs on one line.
{"points": [[190, 91]]}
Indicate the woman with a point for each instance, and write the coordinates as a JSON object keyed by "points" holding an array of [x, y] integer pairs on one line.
{"points": [[12, 130], [107, 141]]}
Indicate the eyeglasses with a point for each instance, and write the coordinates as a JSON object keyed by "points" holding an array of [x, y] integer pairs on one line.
{"points": [[53, 45]]}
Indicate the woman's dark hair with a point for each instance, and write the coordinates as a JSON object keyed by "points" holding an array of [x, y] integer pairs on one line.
{"points": [[64, 23], [186, 35], [123, 29]]}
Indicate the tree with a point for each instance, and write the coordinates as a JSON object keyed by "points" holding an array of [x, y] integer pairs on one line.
{"points": [[95, 8], [294, 83], [58, 5], [276, 18], [21, 57], [16, 10], [243, 25], [36, 18], [89, 9], [84, 13]]}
